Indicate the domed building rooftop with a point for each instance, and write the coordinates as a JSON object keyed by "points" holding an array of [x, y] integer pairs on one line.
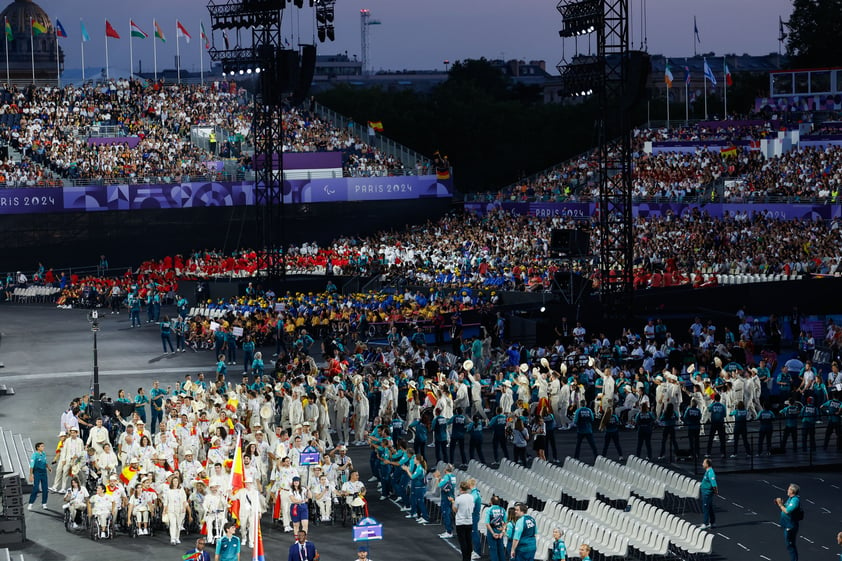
{"points": [[20, 13], [40, 59]]}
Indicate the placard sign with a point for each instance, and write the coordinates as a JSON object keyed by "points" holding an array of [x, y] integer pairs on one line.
{"points": [[367, 530]]}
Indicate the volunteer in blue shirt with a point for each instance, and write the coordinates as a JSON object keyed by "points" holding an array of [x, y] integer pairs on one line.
{"points": [[740, 428], [417, 471], [447, 488], [611, 426], [420, 440], [38, 468], [475, 428], [166, 329], [831, 409], [440, 433], [495, 523], [559, 550], [692, 418], [791, 414], [791, 515], [523, 538], [583, 419], [765, 418], [476, 539], [248, 353], [156, 394], [709, 488], [498, 435], [717, 424], [457, 435]]}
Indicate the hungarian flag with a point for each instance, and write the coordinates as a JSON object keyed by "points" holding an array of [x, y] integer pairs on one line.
{"points": [[238, 480], [728, 152], [205, 36], [728, 80], [376, 125], [158, 33], [110, 31], [181, 33], [60, 32], [128, 474], [37, 27], [137, 31]]}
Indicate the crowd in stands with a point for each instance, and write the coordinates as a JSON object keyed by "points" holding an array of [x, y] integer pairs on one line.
{"points": [[50, 126]]}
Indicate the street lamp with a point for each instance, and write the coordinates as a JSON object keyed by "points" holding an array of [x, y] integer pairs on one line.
{"points": [[95, 405], [446, 64]]}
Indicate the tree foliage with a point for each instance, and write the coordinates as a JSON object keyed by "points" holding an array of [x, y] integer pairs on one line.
{"points": [[814, 29]]}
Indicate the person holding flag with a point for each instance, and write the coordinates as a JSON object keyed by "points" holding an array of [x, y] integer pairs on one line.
{"points": [[198, 553]]}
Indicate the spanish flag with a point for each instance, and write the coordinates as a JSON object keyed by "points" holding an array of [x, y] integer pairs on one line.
{"points": [[728, 152], [232, 404], [238, 480], [128, 474], [376, 126]]}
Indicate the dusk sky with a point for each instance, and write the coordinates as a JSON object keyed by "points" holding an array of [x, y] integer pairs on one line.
{"points": [[420, 35]]}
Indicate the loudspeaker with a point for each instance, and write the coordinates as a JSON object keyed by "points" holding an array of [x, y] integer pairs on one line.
{"points": [[287, 70], [305, 76], [12, 530], [638, 69], [570, 243]]}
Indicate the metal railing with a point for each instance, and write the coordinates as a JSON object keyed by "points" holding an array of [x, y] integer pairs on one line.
{"points": [[409, 158]]}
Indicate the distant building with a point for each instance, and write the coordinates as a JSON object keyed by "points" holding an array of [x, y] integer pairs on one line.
{"points": [[21, 14]]}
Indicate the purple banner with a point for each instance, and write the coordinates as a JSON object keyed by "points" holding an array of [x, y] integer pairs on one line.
{"points": [[716, 210], [344, 189], [97, 198], [132, 141], [304, 160], [732, 123]]}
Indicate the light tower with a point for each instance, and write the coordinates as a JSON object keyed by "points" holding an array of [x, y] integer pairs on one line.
{"points": [[365, 21]]}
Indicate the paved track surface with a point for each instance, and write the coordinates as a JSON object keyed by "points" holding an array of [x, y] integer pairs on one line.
{"points": [[48, 359]]}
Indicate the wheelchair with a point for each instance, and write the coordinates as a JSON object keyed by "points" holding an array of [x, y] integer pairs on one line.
{"points": [[95, 530], [133, 529], [351, 515], [316, 514], [81, 521]]}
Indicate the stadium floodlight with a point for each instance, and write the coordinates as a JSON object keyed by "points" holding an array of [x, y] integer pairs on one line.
{"points": [[581, 78], [580, 17]]}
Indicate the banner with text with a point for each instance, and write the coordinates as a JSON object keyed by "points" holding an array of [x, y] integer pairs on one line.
{"points": [[97, 198]]}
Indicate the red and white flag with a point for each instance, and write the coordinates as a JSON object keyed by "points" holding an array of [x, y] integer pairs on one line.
{"points": [[181, 32]]}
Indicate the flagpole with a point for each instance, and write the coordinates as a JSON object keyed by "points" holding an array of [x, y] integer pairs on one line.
{"points": [[155, 48], [6, 35], [58, 66], [107, 74], [694, 36], [177, 54], [725, 87], [82, 41], [131, 51], [704, 61], [32, 49], [201, 56], [686, 94]]}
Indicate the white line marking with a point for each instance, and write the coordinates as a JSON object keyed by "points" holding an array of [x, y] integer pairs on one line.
{"points": [[742, 546], [824, 509], [764, 557], [738, 505], [775, 523], [722, 497], [778, 488], [809, 501], [452, 545], [750, 513], [724, 536], [819, 479], [807, 539], [825, 547], [835, 486], [766, 482]]}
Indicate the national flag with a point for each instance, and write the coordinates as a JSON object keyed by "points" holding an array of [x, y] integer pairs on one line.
{"points": [[442, 174], [668, 75], [686, 75], [257, 553], [110, 31], [709, 74], [238, 479], [728, 152], [781, 33], [225, 39], [180, 32], [60, 32], [85, 36], [232, 404], [10, 36], [728, 80], [195, 556], [37, 27], [204, 36], [696, 30], [137, 31], [158, 33], [128, 474], [376, 125]]}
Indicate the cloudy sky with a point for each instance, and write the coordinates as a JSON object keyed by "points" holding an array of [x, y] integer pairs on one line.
{"points": [[421, 35]]}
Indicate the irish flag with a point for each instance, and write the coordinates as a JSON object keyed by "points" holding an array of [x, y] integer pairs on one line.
{"points": [[668, 76], [181, 33], [137, 31], [158, 33], [238, 480]]}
